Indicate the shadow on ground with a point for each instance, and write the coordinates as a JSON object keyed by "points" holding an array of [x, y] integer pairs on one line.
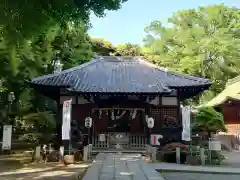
{"points": [[56, 173], [20, 168]]}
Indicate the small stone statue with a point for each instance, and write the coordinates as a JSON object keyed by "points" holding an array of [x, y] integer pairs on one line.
{"points": [[76, 135]]}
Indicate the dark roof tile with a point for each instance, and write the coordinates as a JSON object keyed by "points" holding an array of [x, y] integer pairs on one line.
{"points": [[119, 74]]}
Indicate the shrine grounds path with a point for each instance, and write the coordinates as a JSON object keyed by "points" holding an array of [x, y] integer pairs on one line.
{"points": [[121, 167]]}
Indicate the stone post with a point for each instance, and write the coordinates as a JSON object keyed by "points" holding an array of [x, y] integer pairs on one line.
{"points": [[90, 151], [61, 153], [85, 153], [154, 154], [178, 160], [148, 149], [202, 156], [38, 153]]}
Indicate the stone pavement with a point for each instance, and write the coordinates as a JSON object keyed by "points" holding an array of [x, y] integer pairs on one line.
{"points": [[121, 167], [198, 176], [189, 168]]}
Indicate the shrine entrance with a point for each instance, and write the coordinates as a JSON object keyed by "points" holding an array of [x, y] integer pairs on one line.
{"points": [[119, 129], [119, 140], [124, 120]]}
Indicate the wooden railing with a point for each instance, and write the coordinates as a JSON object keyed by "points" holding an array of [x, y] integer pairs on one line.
{"points": [[100, 144], [137, 141], [133, 141]]}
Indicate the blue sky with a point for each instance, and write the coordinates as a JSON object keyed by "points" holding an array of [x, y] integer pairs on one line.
{"points": [[127, 24]]}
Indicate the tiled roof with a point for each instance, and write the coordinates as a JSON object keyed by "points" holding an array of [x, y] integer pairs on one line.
{"points": [[119, 74], [233, 80], [231, 92]]}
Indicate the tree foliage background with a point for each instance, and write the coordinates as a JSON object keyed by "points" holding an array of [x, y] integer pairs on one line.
{"points": [[35, 38], [203, 42]]}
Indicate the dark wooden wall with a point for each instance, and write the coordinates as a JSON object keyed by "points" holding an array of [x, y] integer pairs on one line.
{"points": [[81, 111], [231, 112], [159, 113]]}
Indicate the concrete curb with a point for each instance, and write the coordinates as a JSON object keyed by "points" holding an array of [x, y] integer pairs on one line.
{"points": [[165, 167]]}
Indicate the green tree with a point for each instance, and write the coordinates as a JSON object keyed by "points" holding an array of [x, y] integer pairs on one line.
{"points": [[24, 19], [69, 45], [203, 42], [102, 47], [128, 49], [209, 120]]}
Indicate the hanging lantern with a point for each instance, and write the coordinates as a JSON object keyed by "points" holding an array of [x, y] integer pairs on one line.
{"points": [[150, 122], [112, 116]]}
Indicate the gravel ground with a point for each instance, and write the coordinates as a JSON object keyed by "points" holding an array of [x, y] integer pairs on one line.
{"points": [[199, 176]]}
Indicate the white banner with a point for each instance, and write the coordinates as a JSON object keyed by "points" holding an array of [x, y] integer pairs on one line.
{"points": [[66, 119], [186, 123], [7, 137]]}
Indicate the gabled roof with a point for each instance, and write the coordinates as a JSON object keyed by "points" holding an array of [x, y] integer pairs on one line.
{"points": [[231, 92], [120, 75]]}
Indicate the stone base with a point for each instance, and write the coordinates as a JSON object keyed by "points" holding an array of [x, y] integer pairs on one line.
{"points": [[192, 160], [53, 157], [78, 156], [6, 152], [68, 159]]}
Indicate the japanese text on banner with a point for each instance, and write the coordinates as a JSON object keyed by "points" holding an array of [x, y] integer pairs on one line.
{"points": [[66, 120]]}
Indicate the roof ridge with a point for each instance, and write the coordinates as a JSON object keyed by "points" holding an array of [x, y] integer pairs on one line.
{"points": [[118, 58], [233, 80], [187, 76], [171, 72], [94, 60]]}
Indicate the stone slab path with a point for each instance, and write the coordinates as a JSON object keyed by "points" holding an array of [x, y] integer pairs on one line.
{"points": [[121, 167]]}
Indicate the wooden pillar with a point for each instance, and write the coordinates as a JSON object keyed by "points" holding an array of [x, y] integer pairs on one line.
{"points": [[179, 108], [59, 120], [147, 112]]}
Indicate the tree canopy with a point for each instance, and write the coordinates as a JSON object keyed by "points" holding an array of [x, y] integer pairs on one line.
{"points": [[25, 18], [203, 42], [209, 120]]}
